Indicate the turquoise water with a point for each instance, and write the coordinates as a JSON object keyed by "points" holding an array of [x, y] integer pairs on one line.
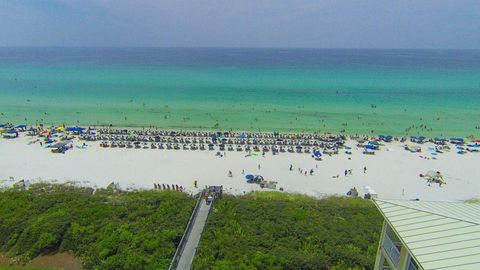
{"points": [[354, 91]]}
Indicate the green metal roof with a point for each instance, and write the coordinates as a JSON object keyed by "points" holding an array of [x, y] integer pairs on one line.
{"points": [[439, 235]]}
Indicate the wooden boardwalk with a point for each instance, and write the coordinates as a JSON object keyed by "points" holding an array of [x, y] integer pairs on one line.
{"points": [[186, 257]]}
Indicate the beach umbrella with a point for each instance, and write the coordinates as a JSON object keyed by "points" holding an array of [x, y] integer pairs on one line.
{"points": [[299, 147], [249, 176], [374, 143]]}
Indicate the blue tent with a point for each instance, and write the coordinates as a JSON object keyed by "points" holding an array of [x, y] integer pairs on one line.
{"points": [[317, 154], [75, 129], [21, 126], [10, 134], [371, 147], [387, 138]]}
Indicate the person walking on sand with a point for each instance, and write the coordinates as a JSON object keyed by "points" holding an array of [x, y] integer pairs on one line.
{"points": [[365, 169], [346, 172], [230, 174], [311, 171], [305, 172], [259, 166], [291, 167], [243, 171]]}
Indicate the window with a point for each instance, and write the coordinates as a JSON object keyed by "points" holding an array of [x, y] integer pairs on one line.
{"points": [[412, 265]]}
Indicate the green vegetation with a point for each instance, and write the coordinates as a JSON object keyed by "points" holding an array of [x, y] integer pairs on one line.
{"points": [[107, 230], [23, 268], [282, 231]]}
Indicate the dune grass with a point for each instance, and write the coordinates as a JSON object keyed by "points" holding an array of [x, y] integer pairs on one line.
{"points": [[270, 230], [106, 230]]}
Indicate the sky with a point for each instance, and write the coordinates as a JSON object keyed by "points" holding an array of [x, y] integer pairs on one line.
{"points": [[444, 24]]}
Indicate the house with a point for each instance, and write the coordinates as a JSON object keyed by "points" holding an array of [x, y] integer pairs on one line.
{"points": [[428, 235]]}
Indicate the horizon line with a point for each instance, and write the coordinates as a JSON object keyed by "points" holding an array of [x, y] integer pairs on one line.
{"points": [[226, 47]]}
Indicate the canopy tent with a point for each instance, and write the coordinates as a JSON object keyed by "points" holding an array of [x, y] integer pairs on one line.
{"points": [[10, 134], [370, 147], [75, 129]]}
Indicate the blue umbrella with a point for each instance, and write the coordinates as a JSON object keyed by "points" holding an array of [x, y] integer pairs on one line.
{"points": [[371, 147], [249, 176]]}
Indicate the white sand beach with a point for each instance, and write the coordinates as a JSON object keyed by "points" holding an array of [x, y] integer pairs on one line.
{"points": [[393, 172]]}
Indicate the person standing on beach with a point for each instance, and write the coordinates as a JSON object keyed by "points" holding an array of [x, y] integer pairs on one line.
{"points": [[259, 166], [365, 169], [291, 167], [346, 172]]}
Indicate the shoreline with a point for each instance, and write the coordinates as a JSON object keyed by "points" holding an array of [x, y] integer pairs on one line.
{"points": [[213, 130]]}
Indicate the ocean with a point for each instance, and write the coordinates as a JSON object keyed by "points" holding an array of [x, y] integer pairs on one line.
{"points": [[355, 91]]}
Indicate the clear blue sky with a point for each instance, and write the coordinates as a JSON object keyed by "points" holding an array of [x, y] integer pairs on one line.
{"points": [[242, 23]]}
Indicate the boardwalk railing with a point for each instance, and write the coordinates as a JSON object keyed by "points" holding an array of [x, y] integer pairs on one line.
{"points": [[186, 234]]}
